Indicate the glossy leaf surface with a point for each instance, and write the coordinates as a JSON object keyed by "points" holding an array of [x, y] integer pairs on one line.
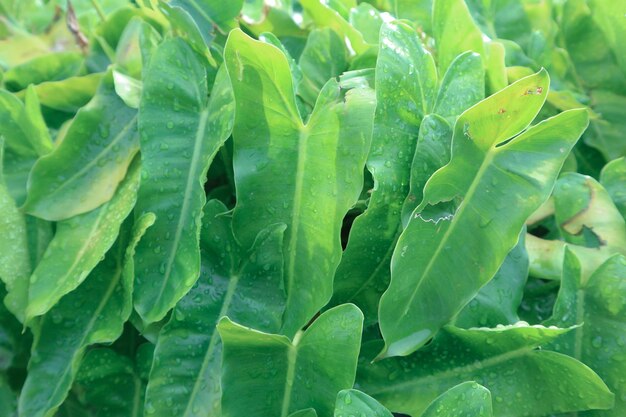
{"points": [[181, 131], [521, 379], [83, 172], [613, 179], [599, 306], [468, 399], [351, 402], [78, 245], [286, 375], [104, 302], [289, 172], [245, 285], [482, 167], [363, 272]]}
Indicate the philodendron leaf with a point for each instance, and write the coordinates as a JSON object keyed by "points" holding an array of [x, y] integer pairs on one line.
{"points": [[78, 245], [181, 131], [363, 273], [94, 313], [463, 85], [15, 264], [309, 412], [70, 94], [599, 305], [22, 126], [498, 301], [85, 169], [8, 399], [270, 375], [464, 207], [210, 13], [325, 17], [324, 56], [522, 380], [613, 179], [351, 402], [468, 399], [245, 285], [586, 215], [306, 176], [111, 384], [454, 31]]}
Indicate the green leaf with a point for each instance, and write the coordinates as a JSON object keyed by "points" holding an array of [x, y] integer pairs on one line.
{"points": [[605, 134], [21, 125], [468, 399], [270, 375], [613, 179], [485, 170], [523, 380], [419, 11], [309, 412], [84, 170], [181, 131], [285, 170], [498, 301], [245, 285], [367, 19], [325, 17], [52, 67], [208, 13], [463, 85], [454, 31], [111, 383], [351, 402], [70, 94], [104, 301], [402, 101], [15, 264], [8, 399], [78, 246], [585, 214], [324, 57], [598, 304]]}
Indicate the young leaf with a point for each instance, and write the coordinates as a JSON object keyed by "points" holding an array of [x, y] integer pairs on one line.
{"points": [[468, 399], [78, 246], [468, 244], [84, 171], [306, 176], [351, 402], [270, 375], [599, 306], [245, 285], [181, 131], [104, 303], [522, 379]]}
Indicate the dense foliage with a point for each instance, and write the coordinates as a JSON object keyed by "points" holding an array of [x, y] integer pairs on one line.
{"points": [[312, 208]]}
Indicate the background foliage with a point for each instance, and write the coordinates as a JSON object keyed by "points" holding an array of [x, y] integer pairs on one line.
{"points": [[312, 208]]}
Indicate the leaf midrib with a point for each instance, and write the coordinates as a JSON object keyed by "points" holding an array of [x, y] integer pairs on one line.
{"points": [[193, 167], [99, 155], [459, 214], [90, 325], [454, 372]]}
